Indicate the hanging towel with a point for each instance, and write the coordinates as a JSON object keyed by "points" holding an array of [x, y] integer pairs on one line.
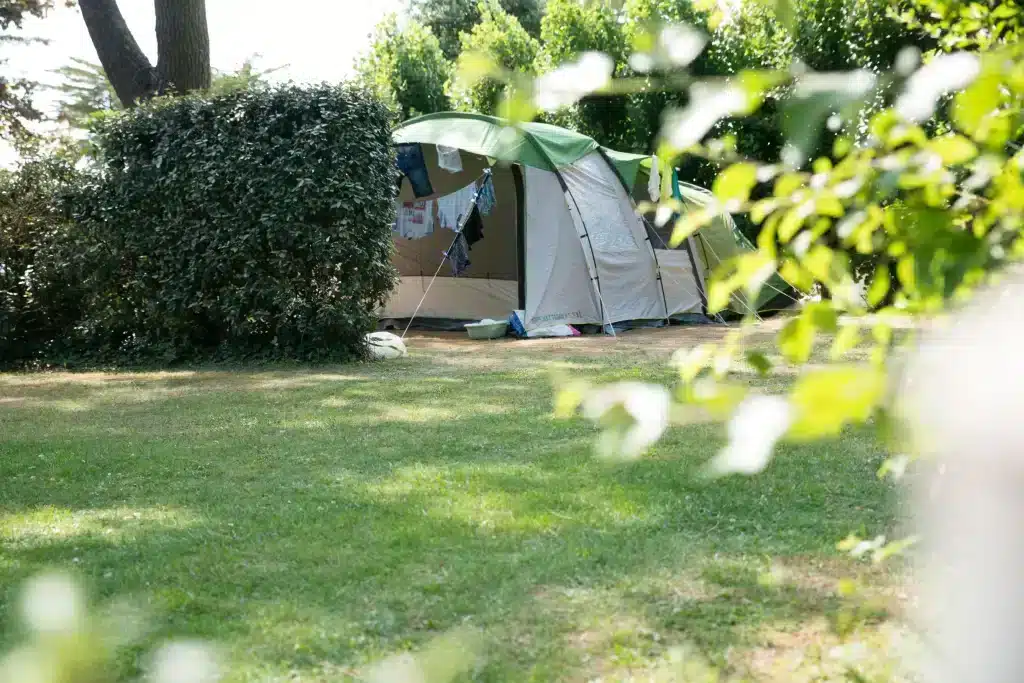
{"points": [[449, 159], [473, 230], [487, 199], [654, 182], [411, 163], [415, 220], [453, 207], [458, 255]]}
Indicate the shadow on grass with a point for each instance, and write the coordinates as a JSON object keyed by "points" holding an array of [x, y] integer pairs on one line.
{"points": [[316, 520]]}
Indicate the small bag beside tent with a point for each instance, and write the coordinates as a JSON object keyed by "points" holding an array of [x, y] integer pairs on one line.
{"points": [[561, 240]]}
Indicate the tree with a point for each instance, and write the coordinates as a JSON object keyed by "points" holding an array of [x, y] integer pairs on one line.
{"points": [[570, 28], [500, 39], [449, 19], [16, 93], [183, 49], [407, 68], [86, 90]]}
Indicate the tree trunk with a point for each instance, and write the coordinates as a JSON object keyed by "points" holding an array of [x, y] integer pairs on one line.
{"points": [[183, 49], [183, 44], [126, 65]]}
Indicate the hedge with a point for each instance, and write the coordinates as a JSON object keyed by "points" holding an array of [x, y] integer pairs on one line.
{"points": [[39, 299], [250, 225]]}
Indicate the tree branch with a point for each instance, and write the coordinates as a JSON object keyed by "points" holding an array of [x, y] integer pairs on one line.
{"points": [[126, 65]]}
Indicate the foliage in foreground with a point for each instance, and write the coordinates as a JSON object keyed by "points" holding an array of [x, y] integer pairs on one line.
{"points": [[921, 177]]}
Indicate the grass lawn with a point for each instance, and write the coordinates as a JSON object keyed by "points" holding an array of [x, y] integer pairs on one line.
{"points": [[310, 521]]}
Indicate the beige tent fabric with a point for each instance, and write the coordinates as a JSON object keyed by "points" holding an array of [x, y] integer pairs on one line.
{"points": [[496, 256], [455, 298]]}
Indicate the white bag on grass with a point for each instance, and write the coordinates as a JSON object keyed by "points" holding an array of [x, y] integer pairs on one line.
{"points": [[385, 346]]}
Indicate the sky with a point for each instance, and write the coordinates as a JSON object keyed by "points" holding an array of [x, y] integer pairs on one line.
{"points": [[319, 42]]}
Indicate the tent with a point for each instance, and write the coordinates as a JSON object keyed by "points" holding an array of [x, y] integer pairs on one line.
{"points": [[721, 240], [564, 242]]}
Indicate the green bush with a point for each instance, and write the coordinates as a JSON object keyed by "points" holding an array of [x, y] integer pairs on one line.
{"points": [[250, 225], [39, 302]]}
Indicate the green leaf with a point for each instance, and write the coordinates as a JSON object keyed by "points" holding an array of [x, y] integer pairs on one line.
{"points": [[476, 66], [689, 224], [879, 285], [569, 397], [827, 400], [690, 363], [759, 362], [791, 222], [517, 105], [953, 149], [762, 209], [906, 271], [719, 399], [826, 265], [753, 270], [796, 340], [841, 147], [822, 316], [719, 296], [973, 106], [846, 340], [790, 183], [736, 182], [797, 276]]}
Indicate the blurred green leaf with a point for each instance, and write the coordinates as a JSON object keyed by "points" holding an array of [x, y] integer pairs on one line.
{"points": [[796, 340], [736, 182], [759, 362], [973, 107], [827, 400], [953, 149], [689, 223], [846, 340], [879, 288], [689, 363]]}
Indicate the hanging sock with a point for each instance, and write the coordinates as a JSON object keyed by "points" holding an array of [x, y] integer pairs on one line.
{"points": [[412, 164], [449, 159], [654, 182], [458, 255], [487, 199], [473, 231]]}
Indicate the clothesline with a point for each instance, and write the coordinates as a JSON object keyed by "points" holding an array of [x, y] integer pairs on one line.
{"points": [[416, 219], [448, 254]]}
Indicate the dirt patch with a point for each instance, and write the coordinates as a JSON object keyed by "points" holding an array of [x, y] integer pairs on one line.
{"points": [[652, 342]]}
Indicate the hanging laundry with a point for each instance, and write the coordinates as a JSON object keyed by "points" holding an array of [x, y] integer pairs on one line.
{"points": [[411, 163], [487, 199], [415, 220], [473, 230], [458, 254], [449, 159], [453, 207], [654, 182]]}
